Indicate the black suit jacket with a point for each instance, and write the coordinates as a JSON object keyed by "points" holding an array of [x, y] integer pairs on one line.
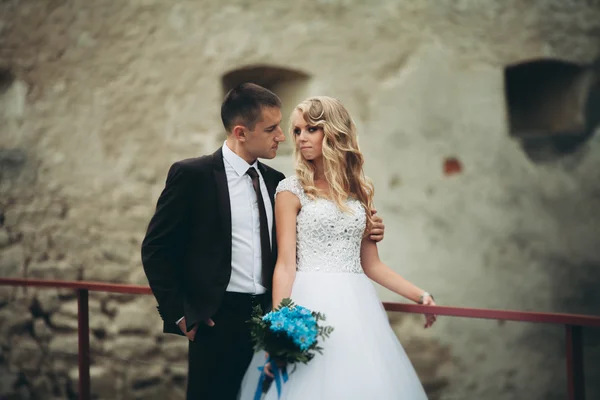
{"points": [[186, 252]]}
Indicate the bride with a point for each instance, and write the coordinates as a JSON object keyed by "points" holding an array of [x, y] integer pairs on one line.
{"points": [[325, 262]]}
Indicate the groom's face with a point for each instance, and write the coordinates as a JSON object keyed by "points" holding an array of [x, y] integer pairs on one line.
{"points": [[263, 141]]}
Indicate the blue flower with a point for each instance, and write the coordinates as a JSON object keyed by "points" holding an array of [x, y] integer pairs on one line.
{"points": [[267, 317], [303, 311], [304, 340], [277, 323], [285, 311]]}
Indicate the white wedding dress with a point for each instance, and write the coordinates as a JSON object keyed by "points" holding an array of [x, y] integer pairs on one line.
{"points": [[362, 359]]}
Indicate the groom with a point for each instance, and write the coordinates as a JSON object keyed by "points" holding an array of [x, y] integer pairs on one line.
{"points": [[210, 248]]}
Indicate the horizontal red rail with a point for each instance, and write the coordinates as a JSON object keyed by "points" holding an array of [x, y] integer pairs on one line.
{"points": [[523, 316], [91, 286], [506, 315]]}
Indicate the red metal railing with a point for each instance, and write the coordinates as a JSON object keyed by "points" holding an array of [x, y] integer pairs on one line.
{"points": [[573, 325]]}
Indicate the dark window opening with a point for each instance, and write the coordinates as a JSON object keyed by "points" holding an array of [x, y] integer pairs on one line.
{"points": [[553, 106]]}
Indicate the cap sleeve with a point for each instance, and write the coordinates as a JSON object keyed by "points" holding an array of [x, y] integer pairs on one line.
{"points": [[292, 185]]}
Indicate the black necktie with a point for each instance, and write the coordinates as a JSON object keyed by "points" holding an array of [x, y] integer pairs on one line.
{"points": [[265, 246]]}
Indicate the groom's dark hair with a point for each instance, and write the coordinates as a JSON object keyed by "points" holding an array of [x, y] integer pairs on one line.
{"points": [[243, 105]]}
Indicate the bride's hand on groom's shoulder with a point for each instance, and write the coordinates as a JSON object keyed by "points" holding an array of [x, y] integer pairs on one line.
{"points": [[378, 228], [429, 318]]}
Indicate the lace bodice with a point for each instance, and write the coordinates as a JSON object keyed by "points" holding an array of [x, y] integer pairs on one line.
{"points": [[327, 238]]}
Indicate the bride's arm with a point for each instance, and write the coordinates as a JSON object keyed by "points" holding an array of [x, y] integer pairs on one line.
{"points": [[379, 272], [287, 206]]}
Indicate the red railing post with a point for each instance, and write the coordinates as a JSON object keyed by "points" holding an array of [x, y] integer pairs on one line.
{"points": [[83, 330], [575, 377]]}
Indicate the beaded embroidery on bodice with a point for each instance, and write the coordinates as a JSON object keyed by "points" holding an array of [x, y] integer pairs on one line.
{"points": [[327, 238]]}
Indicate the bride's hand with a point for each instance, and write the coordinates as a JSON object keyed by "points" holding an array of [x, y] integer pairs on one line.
{"points": [[268, 369], [429, 318], [378, 228]]}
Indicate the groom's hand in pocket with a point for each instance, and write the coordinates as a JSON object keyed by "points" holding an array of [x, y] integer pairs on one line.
{"points": [[191, 335]]}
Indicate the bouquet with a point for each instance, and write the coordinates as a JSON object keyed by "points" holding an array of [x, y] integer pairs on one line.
{"points": [[290, 335]]}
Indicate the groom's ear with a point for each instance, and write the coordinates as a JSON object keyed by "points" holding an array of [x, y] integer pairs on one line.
{"points": [[240, 132]]}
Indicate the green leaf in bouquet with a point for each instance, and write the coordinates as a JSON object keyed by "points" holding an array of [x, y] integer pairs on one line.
{"points": [[325, 331], [287, 302], [318, 316]]}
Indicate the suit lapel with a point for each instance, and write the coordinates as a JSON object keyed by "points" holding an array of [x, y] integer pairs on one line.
{"points": [[271, 187], [224, 203]]}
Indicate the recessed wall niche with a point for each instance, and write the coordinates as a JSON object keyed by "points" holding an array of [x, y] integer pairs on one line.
{"points": [[553, 106], [290, 85]]}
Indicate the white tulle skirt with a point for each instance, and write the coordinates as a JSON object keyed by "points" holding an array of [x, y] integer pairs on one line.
{"points": [[362, 359]]}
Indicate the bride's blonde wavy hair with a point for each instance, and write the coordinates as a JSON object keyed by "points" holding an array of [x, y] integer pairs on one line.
{"points": [[342, 159]]}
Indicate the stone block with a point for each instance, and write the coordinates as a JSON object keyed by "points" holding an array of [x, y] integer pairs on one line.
{"points": [[130, 347], [59, 270], [42, 387], [64, 322], [175, 350], [25, 353], [12, 262], [105, 382], [12, 162], [117, 252], [6, 295], [106, 272], [41, 330], [14, 320], [64, 346], [8, 380], [48, 301], [138, 316], [4, 238]]}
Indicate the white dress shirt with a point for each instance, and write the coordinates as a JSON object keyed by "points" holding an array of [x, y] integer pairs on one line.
{"points": [[246, 260]]}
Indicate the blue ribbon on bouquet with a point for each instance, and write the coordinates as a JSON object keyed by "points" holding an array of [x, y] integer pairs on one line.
{"points": [[280, 376]]}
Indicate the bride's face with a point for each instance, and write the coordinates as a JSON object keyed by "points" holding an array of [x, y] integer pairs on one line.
{"points": [[308, 139]]}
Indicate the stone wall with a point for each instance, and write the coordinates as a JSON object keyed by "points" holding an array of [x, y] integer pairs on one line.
{"points": [[98, 99]]}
